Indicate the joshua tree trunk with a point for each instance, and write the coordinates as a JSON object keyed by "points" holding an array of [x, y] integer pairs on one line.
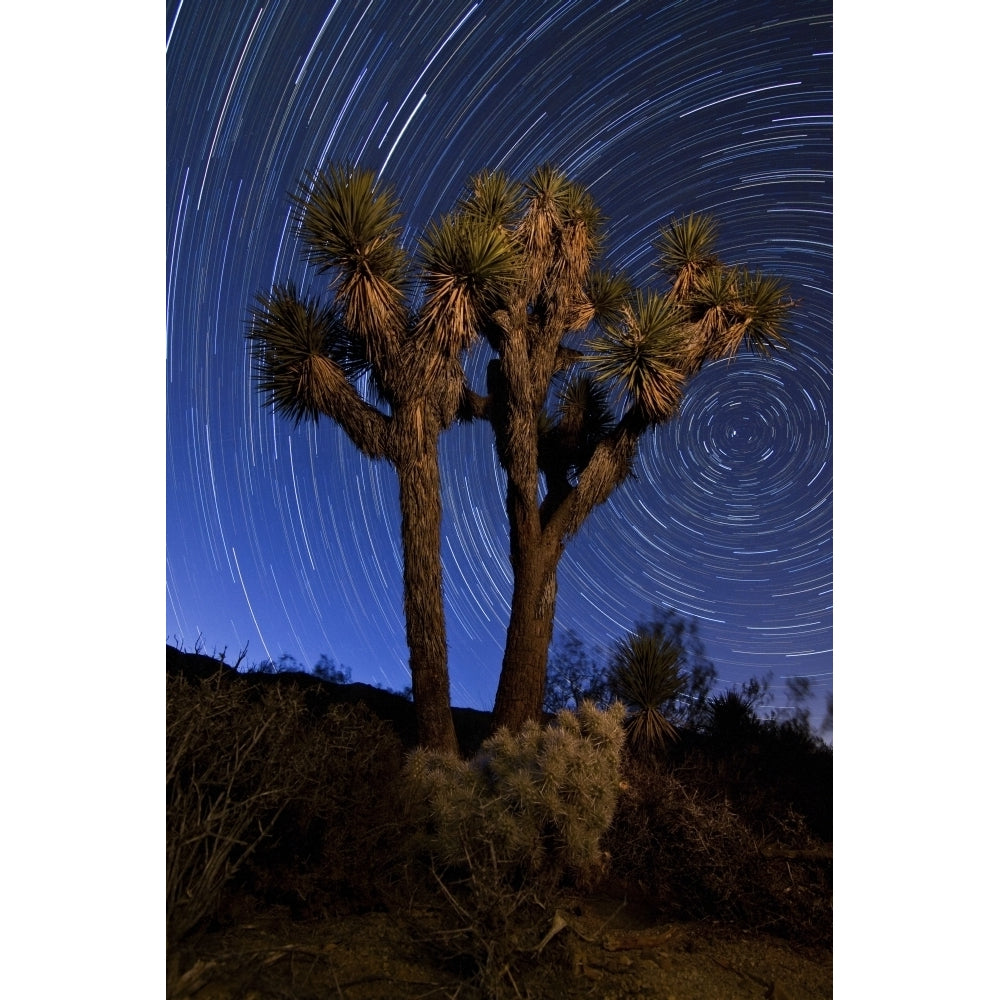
{"points": [[534, 557], [521, 690], [423, 586]]}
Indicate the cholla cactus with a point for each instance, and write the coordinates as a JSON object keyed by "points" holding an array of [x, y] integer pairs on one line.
{"points": [[538, 800], [504, 829]]}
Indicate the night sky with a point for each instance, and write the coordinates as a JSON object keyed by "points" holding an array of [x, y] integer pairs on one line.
{"points": [[285, 539], [116, 425]]}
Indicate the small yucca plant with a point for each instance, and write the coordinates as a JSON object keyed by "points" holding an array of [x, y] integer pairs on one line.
{"points": [[646, 676]]}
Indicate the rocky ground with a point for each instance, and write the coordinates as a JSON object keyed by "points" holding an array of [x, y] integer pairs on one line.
{"points": [[599, 948]]}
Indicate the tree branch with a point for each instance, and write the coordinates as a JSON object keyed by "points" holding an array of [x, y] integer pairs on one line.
{"points": [[472, 406], [609, 466], [330, 392]]}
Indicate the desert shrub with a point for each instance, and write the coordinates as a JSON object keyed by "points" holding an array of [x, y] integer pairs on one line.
{"points": [[223, 796], [336, 845], [690, 852], [503, 831], [253, 775], [732, 721], [329, 671], [766, 767]]}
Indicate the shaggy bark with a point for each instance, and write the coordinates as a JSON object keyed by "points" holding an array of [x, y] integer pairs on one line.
{"points": [[409, 441], [423, 585], [521, 688]]}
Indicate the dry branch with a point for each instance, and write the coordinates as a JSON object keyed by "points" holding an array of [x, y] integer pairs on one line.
{"points": [[824, 853], [635, 940]]}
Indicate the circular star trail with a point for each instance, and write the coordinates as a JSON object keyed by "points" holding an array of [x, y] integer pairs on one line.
{"points": [[284, 539]]}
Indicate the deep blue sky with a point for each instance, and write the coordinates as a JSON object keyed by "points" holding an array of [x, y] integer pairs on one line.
{"points": [[286, 539]]}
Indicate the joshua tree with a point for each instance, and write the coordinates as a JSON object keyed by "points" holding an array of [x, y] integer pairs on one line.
{"points": [[314, 360], [515, 263], [548, 391]]}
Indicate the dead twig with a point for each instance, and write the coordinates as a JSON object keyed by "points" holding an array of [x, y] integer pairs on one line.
{"points": [[191, 981], [636, 940], [558, 923], [824, 853]]}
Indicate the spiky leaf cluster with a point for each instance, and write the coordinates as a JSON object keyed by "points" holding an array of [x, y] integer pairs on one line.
{"points": [[650, 345], [568, 437], [468, 267], [735, 308], [646, 675], [687, 251], [728, 306], [303, 353], [348, 221], [492, 198], [560, 234], [766, 304], [608, 293], [640, 354]]}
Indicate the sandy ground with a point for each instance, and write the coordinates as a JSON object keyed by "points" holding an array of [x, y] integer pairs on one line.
{"points": [[605, 949]]}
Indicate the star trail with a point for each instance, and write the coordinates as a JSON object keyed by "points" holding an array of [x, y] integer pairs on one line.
{"points": [[285, 539]]}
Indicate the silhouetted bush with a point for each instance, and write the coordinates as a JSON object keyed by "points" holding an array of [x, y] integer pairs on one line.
{"points": [[263, 790], [684, 844], [573, 676], [765, 768], [335, 846], [732, 723]]}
